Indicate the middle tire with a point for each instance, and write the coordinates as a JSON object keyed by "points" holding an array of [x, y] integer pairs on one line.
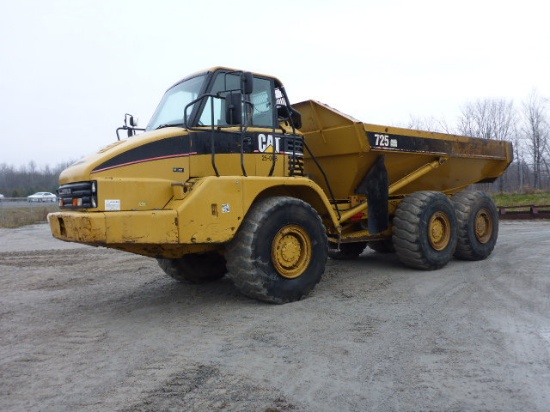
{"points": [[425, 230], [382, 246], [280, 251]]}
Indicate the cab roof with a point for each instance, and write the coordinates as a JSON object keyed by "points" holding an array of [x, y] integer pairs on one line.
{"points": [[278, 83]]}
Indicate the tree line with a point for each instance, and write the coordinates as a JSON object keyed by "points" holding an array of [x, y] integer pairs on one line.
{"points": [[526, 125], [26, 180]]}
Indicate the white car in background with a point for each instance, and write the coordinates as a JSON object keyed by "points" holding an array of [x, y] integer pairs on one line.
{"points": [[42, 197]]}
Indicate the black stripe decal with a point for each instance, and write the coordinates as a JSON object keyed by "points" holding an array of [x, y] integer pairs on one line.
{"points": [[161, 149], [191, 144], [474, 147], [96, 170]]}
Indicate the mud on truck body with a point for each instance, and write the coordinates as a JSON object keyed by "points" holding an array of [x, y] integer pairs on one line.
{"points": [[230, 179]]}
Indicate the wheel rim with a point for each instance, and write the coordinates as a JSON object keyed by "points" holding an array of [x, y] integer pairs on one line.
{"points": [[439, 231], [483, 226], [291, 251]]}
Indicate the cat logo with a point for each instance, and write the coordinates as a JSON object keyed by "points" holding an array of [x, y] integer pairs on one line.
{"points": [[268, 143]]}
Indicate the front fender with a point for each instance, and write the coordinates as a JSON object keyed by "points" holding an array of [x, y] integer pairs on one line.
{"points": [[213, 208]]}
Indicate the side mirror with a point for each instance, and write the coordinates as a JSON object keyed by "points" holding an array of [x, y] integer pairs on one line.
{"points": [[247, 82], [130, 120], [290, 114], [296, 117], [130, 125], [233, 109]]}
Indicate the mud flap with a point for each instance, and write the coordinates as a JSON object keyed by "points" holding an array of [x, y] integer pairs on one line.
{"points": [[375, 186]]}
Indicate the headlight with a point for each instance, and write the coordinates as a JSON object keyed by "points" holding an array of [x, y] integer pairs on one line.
{"points": [[78, 195]]}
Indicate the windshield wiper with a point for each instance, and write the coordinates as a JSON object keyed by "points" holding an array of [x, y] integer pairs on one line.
{"points": [[162, 126]]}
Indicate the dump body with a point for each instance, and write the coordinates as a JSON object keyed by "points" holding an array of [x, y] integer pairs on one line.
{"points": [[347, 149]]}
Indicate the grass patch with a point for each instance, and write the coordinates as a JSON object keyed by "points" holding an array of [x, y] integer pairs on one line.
{"points": [[12, 217], [517, 199]]}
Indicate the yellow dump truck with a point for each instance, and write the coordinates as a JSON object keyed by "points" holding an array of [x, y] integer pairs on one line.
{"points": [[229, 178]]}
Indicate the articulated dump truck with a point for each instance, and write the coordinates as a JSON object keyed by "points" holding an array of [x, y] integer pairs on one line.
{"points": [[230, 179]]}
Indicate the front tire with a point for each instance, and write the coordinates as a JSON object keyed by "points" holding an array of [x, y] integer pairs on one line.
{"points": [[280, 251], [195, 268], [425, 230], [477, 225]]}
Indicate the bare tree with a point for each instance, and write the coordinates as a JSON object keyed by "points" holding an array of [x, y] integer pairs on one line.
{"points": [[430, 124], [536, 132], [489, 119]]}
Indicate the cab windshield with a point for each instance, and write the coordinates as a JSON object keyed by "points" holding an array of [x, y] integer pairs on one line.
{"points": [[170, 111]]}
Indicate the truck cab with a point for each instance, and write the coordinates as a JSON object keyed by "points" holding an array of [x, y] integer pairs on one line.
{"points": [[199, 126], [227, 134]]}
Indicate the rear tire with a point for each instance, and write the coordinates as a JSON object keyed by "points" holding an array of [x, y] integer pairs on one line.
{"points": [[425, 230], [347, 251], [195, 268], [477, 225], [280, 251]]}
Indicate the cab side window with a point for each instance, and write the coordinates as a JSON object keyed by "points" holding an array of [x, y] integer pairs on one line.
{"points": [[260, 108], [213, 109], [262, 103]]}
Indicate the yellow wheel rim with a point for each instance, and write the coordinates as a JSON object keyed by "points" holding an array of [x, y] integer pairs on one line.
{"points": [[291, 251], [483, 226], [439, 231]]}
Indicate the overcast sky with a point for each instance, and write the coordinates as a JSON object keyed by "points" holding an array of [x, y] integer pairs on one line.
{"points": [[70, 69]]}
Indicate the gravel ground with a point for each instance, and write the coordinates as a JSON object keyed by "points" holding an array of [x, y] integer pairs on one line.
{"points": [[90, 329]]}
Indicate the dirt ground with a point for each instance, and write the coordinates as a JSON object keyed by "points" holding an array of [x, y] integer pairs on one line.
{"points": [[89, 329]]}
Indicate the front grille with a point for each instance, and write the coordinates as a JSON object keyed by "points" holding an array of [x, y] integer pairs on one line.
{"points": [[78, 195]]}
